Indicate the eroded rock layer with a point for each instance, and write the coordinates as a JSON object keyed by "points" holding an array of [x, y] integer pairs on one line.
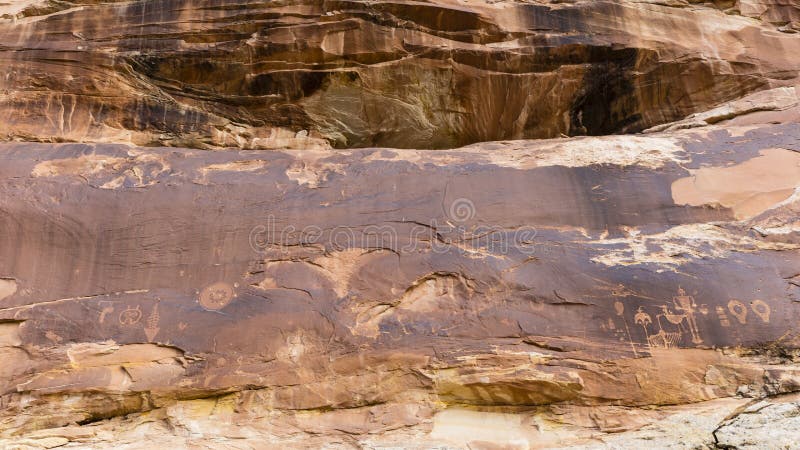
{"points": [[355, 73], [598, 291], [615, 291]]}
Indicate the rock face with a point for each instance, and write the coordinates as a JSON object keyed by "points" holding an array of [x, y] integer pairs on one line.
{"points": [[616, 291], [353, 73]]}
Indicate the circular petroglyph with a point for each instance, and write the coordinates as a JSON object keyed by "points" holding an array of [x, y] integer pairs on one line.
{"points": [[738, 310], [762, 309], [216, 296], [130, 316], [462, 210]]}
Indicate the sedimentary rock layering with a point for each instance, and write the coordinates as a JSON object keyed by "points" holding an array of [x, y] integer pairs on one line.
{"points": [[354, 73], [187, 260], [519, 293]]}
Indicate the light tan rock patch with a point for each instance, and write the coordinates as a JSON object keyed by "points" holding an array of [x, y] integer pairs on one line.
{"points": [[748, 188]]}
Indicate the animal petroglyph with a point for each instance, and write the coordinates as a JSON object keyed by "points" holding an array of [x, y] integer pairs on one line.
{"points": [[672, 322], [663, 338], [216, 296], [667, 328], [738, 310]]}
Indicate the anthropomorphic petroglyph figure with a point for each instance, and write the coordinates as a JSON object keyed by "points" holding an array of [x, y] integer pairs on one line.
{"points": [[683, 316], [642, 318], [686, 304]]}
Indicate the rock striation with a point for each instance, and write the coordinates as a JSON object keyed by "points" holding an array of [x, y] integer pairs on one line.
{"points": [[531, 278], [589, 291], [356, 73]]}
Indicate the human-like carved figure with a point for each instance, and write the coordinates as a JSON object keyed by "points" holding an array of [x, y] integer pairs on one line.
{"points": [[683, 317], [686, 304]]}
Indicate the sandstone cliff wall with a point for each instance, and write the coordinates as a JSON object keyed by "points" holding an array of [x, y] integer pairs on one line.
{"points": [[188, 261], [434, 74]]}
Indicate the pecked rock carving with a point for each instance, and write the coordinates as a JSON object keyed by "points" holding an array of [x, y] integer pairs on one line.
{"points": [[424, 224], [368, 302]]}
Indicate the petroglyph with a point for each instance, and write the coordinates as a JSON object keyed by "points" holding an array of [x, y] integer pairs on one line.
{"points": [[679, 319], [216, 296], [151, 325], [672, 323], [762, 309], [686, 304], [662, 338], [619, 307], [414, 329], [131, 315], [108, 309], [722, 316], [738, 310]]}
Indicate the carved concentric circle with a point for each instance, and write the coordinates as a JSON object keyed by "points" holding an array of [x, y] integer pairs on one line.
{"points": [[462, 210]]}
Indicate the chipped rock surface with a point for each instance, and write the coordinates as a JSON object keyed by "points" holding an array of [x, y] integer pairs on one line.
{"points": [[419, 260]]}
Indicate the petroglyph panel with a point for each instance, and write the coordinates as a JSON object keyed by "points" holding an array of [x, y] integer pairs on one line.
{"points": [[400, 276]]}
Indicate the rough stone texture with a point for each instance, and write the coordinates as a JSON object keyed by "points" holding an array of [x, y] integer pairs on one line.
{"points": [[765, 424], [623, 291], [527, 293], [355, 73]]}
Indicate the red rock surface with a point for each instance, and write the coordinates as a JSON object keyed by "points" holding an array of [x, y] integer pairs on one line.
{"points": [[432, 74], [616, 291]]}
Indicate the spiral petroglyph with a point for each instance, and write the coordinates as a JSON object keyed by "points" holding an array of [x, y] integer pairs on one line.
{"points": [[462, 210]]}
